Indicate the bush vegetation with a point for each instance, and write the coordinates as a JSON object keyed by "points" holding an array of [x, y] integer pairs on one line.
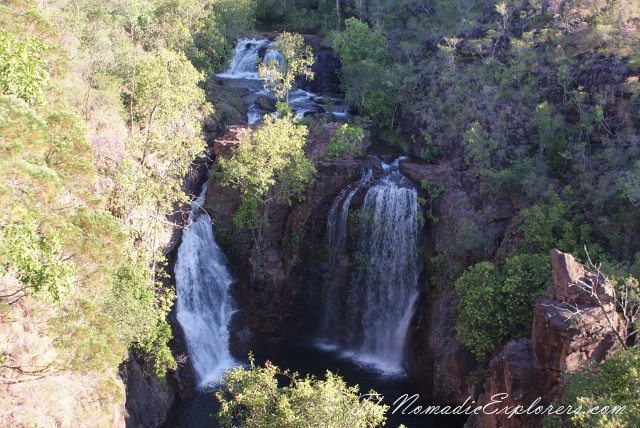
{"points": [[101, 107], [253, 397]]}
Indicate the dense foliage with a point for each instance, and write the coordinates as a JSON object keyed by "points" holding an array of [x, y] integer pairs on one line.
{"points": [[269, 166], [252, 397], [100, 119], [615, 382], [496, 303]]}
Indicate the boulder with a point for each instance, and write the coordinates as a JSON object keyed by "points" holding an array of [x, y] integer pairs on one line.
{"points": [[265, 103]]}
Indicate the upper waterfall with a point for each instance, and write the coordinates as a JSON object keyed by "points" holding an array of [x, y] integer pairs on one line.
{"points": [[243, 72], [244, 64], [204, 305]]}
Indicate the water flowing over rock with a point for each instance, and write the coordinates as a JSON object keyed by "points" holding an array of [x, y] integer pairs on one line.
{"points": [[244, 64], [337, 218], [243, 72], [204, 305], [375, 316]]}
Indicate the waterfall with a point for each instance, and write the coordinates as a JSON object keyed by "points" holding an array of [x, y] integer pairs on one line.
{"points": [[244, 64], [243, 71], [373, 310], [337, 220], [204, 305]]}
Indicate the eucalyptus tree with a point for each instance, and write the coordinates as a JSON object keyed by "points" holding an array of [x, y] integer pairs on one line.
{"points": [[297, 61]]}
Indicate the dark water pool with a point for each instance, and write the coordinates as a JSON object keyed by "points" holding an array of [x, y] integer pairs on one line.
{"points": [[305, 358]]}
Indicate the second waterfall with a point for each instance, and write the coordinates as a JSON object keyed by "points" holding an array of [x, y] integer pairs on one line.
{"points": [[372, 312]]}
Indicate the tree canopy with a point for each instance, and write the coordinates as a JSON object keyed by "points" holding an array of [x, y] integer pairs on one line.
{"points": [[251, 398]]}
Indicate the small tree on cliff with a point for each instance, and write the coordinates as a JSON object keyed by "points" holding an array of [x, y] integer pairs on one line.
{"points": [[298, 60], [270, 165]]}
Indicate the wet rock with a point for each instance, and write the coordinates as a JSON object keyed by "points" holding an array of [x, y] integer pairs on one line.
{"points": [[438, 363], [265, 103], [325, 69]]}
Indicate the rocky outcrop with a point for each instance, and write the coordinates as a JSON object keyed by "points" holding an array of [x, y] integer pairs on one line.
{"points": [[560, 342], [275, 286], [469, 226], [148, 401], [526, 370]]}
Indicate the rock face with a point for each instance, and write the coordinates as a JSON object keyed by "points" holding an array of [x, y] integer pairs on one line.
{"points": [[148, 401], [468, 225], [528, 369], [325, 69], [438, 362], [276, 286]]}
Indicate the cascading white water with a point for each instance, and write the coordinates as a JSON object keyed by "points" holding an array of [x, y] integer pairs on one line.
{"points": [[337, 221], [244, 64], [376, 307], [244, 68], [204, 305]]}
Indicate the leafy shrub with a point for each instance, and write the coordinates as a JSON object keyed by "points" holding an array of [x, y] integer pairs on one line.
{"points": [[496, 303], [345, 142], [251, 398], [615, 382]]}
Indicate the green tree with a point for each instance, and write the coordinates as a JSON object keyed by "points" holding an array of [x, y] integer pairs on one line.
{"points": [[252, 398], [23, 69], [370, 82], [496, 303], [297, 61], [139, 310], [164, 103], [268, 166]]}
